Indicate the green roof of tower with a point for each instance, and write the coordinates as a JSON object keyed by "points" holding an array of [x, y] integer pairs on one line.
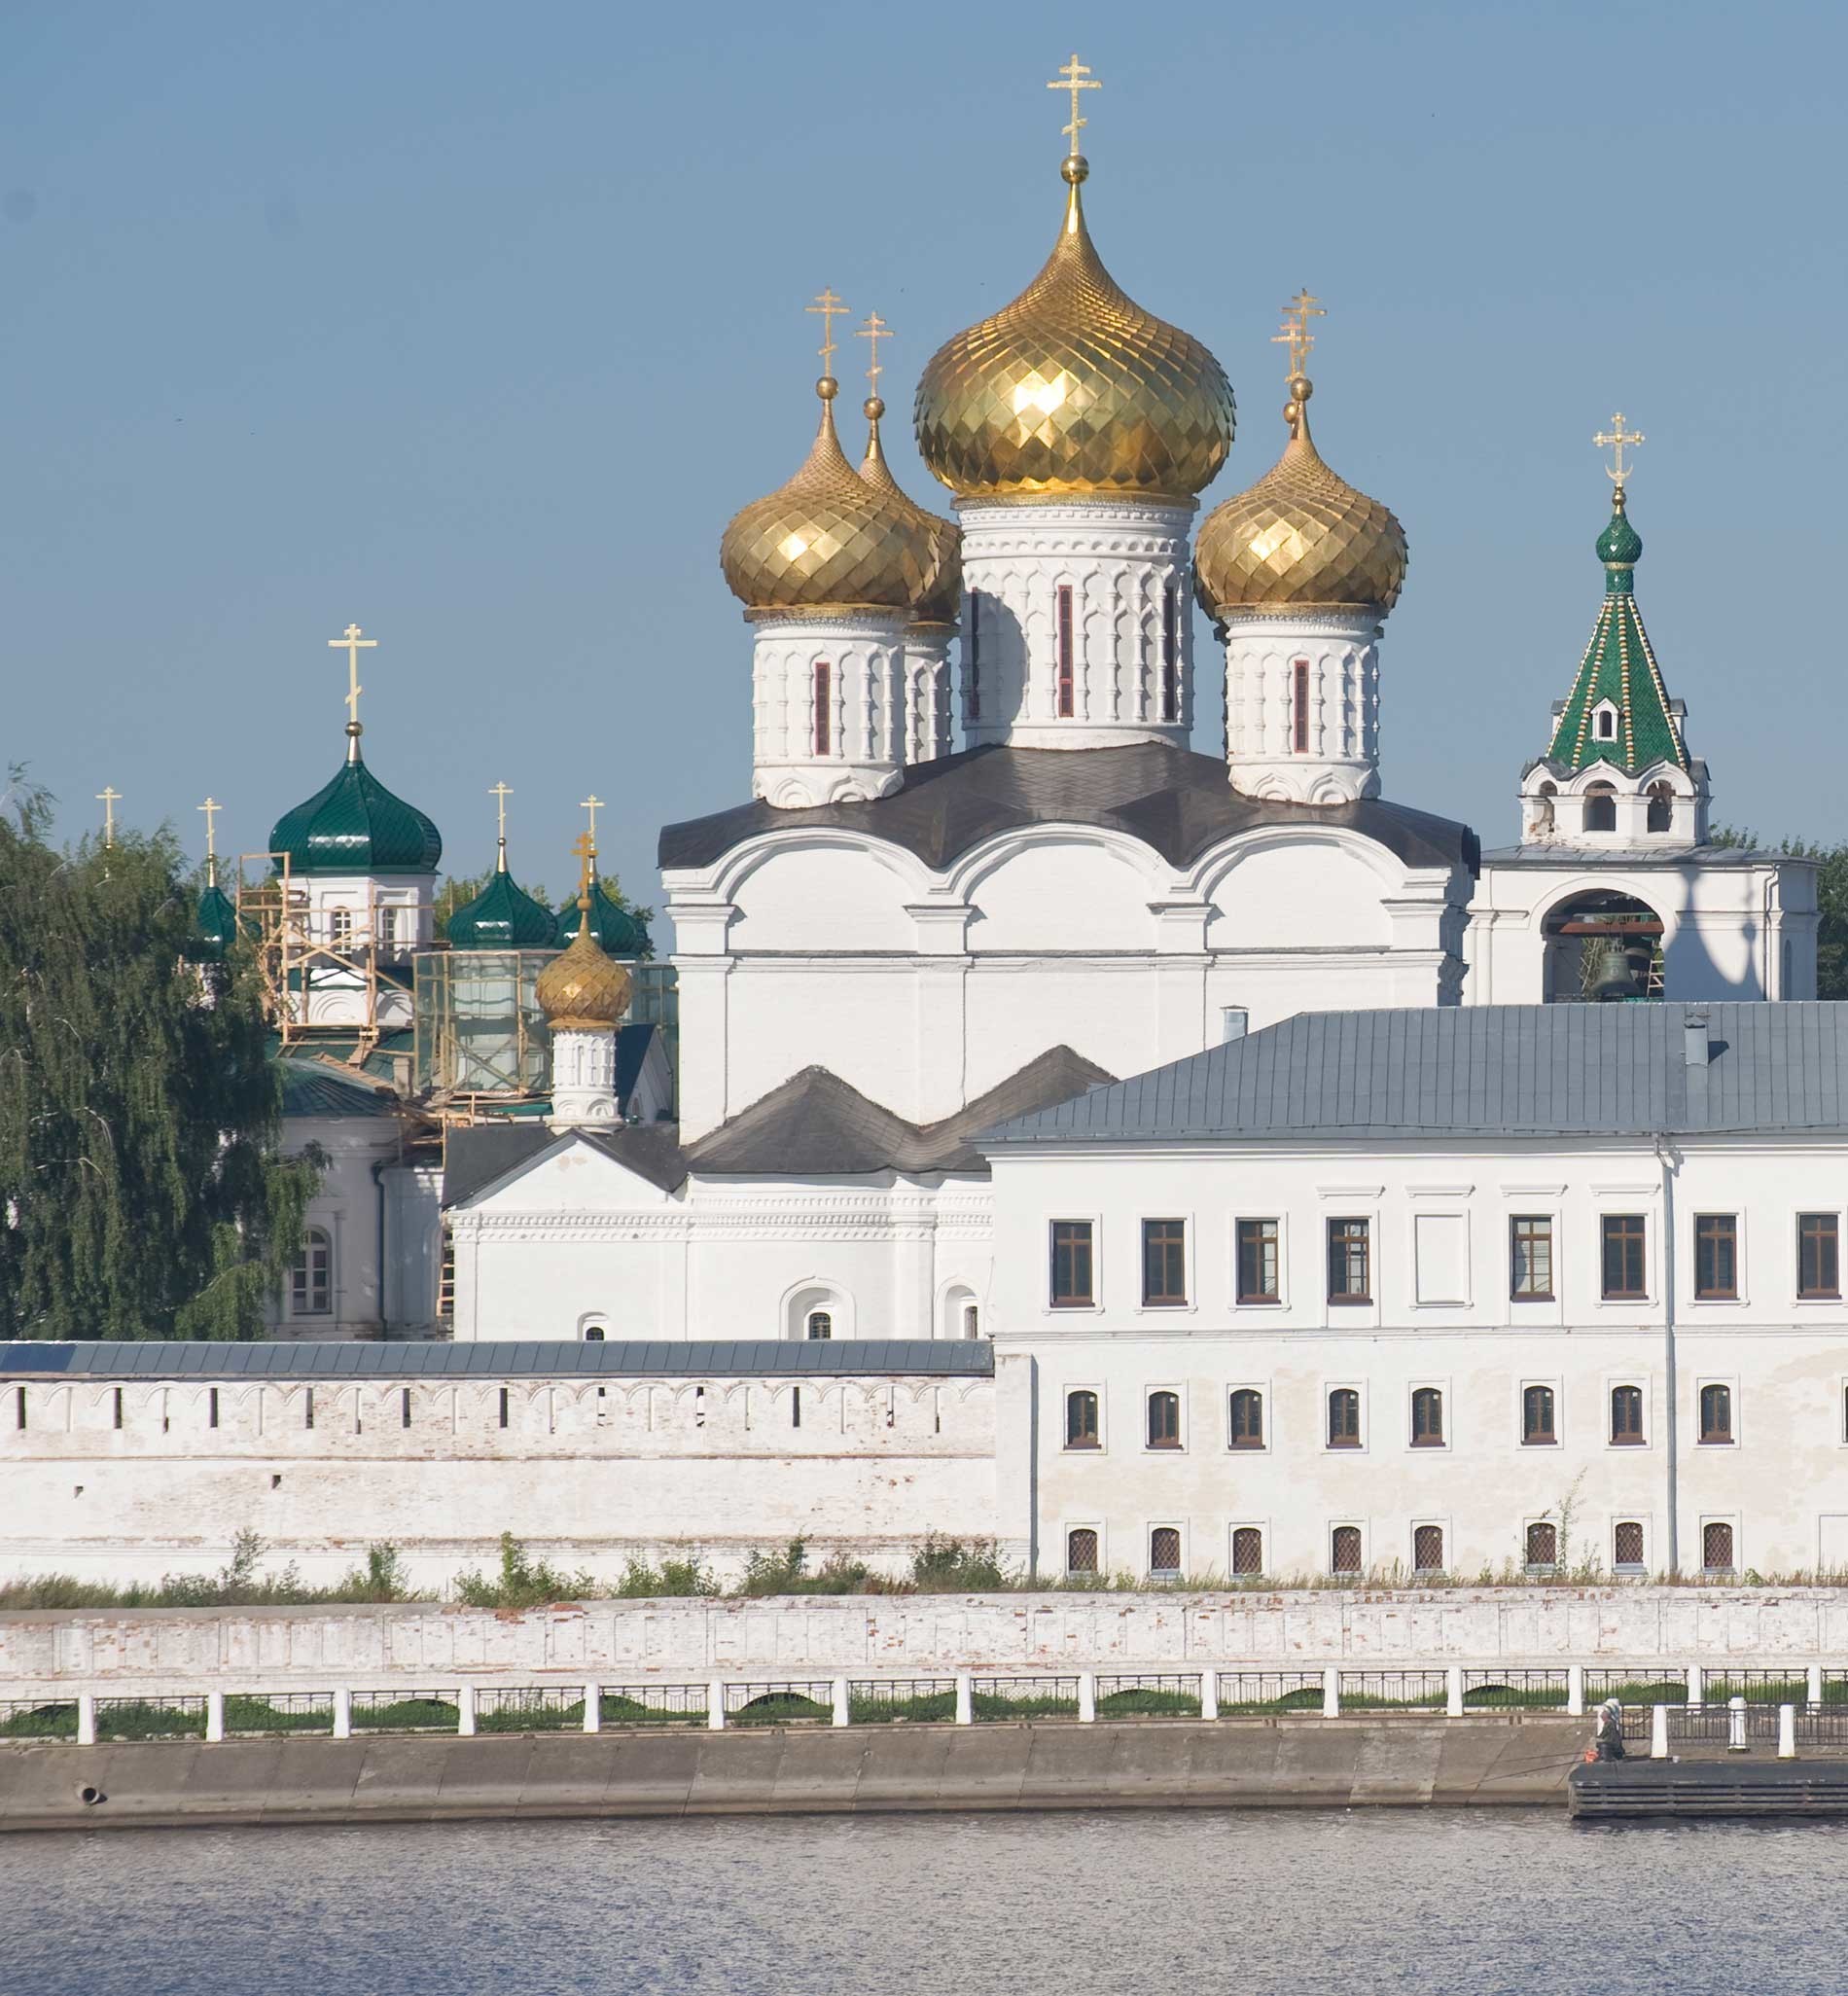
{"points": [[355, 825], [503, 917], [1618, 666], [215, 920], [619, 931]]}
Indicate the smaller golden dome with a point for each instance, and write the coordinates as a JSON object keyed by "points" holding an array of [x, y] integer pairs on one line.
{"points": [[1300, 538], [580, 987], [941, 602], [825, 541]]}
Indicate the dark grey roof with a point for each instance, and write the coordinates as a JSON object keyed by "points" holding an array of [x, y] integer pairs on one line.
{"points": [[1172, 800], [1571, 858], [818, 1125], [156, 1359], [310, 1087], [1492, 1070], [631, 1049], [479, 1153]]}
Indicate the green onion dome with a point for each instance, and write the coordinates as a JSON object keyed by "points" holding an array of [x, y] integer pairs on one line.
{"points": [[355, 825], [619, 931], [1620, 546], [503, 917], [215, 922]]}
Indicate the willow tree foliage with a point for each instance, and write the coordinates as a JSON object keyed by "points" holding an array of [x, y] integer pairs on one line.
{"points": [[142, 1191]]}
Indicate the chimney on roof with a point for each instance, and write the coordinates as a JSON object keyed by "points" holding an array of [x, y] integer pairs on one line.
{"points": [[1696, 1048]]}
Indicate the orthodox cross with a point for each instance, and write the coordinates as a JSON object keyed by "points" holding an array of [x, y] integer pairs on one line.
{"points": [[587, 852], [593, 803], [500, 794], [1074, 77], [1296, 334], [211, 807], [109, 797], [873, 332], [1617, 439], [830, 307], [352, 644]]}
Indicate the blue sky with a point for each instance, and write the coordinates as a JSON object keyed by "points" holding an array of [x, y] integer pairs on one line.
{"points": [[476, 324]]}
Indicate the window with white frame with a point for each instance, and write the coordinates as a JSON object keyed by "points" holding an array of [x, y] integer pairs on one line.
{"points": [[311, 1279]]}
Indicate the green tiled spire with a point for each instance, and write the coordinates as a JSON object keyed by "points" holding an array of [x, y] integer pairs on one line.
{"points": [[1618, 666]]}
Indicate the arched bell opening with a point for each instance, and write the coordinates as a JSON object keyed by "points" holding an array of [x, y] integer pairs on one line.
{"points": [[1603, 947]]}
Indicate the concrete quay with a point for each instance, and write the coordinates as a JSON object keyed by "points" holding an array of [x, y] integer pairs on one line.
{"points": [[1503, 1759]]}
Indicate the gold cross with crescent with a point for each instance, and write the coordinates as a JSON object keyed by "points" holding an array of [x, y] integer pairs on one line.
{"points": [[830, 307], [352, 644], [1296, 334], [593, 803], [500, 794], [1074, 77], [109, 797], [1617, 439], [587, 852], [873, 332]]}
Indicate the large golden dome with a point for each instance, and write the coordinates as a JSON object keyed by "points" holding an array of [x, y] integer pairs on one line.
{"points": [[1300, 538], [580, 987], [826, 541], [1074, 390], [941, 600]]}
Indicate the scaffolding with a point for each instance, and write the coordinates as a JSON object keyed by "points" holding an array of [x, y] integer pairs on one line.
{"points": [[480, 1031]]}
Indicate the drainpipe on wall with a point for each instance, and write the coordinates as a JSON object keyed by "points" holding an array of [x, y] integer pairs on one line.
{"points": [[1665, 1156], [379, 1189]]}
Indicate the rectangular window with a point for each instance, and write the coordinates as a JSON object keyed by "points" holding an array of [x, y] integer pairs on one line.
{"points": [[972, 660], [1539, 1429], [118, 1407], [1530, 1258], [1065, 653], [1300, 708], [1259, 1271], [211, 1408], [1717, 1256], [1624, 1276], [311, 1279], [340, 928], [19, 1408], [1071, 1263], [504, 1409], [1350, 1262], [307, 1407], [1164, 1262], [404, 1406], [1818, 1255], [1171, 654], [824, 707]]}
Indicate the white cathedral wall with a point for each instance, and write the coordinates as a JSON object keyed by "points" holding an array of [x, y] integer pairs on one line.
{"points": [[593, 1473], [1441, 1317]]}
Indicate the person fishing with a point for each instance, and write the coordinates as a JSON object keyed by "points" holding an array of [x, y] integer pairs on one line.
{"points": [[1606, 1738]]}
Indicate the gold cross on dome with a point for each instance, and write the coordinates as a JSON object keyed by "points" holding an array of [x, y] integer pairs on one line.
{"points": [[1296, 334], [211, 807], [593, 803], [873, 332], [1617, 439], [1074, 77], [830, 307], [352, 644], [109, 797], [585, 852], [500, 794]]}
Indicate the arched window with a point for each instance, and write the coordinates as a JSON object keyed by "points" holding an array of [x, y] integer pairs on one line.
{"points": [[972, 1320], [1716, 1547], [1626, 1416], [1300, 707], [1537, 1417], [1164, 1553], [1427, 1549], [387, 928], [1715, 1413], [1247, 1418], [972, 658], [1604, 724], [1543, 1547], [1164, 1421], [1171, 653], [1661, 807], [1248, 1552], [1426, 1418], [1081, 1420], [1081, 1550], [311, 1280], [1544, 807], [1066, 675], [1345, 1549], [820, 1324], [1626, 1545], [1600, 807], [1344, 1418]]}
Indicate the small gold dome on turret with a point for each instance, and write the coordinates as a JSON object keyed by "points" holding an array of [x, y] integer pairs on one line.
{"points": [[580, 988], [941, 599], [1300, 538], [826, 541], [1074, 390]]}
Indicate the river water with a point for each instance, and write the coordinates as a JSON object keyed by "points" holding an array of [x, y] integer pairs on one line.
{"points": [[1170, 1903]]}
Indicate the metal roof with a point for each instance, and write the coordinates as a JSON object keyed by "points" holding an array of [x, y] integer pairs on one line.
{"points": [[310, 1087], [1174, 800], [1551, 1070], [746, 1358]]}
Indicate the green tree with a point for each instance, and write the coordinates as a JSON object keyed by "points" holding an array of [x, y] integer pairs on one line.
{"points": [[142, 1193], [1831, 901]]}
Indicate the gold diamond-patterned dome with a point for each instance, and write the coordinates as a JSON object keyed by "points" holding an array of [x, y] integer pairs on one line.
{"points": [[1074, 389], [1300, 538], [826, 540], [580, 987], [941, 599]]}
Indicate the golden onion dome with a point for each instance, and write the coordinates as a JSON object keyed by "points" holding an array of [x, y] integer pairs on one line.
{"points": [[580, 987], [826, 541], [1300, 538], [941, 600], [1074, 390]]}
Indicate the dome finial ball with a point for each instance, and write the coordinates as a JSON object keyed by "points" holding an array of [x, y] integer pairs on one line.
{"points": [[1074, 170]]}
